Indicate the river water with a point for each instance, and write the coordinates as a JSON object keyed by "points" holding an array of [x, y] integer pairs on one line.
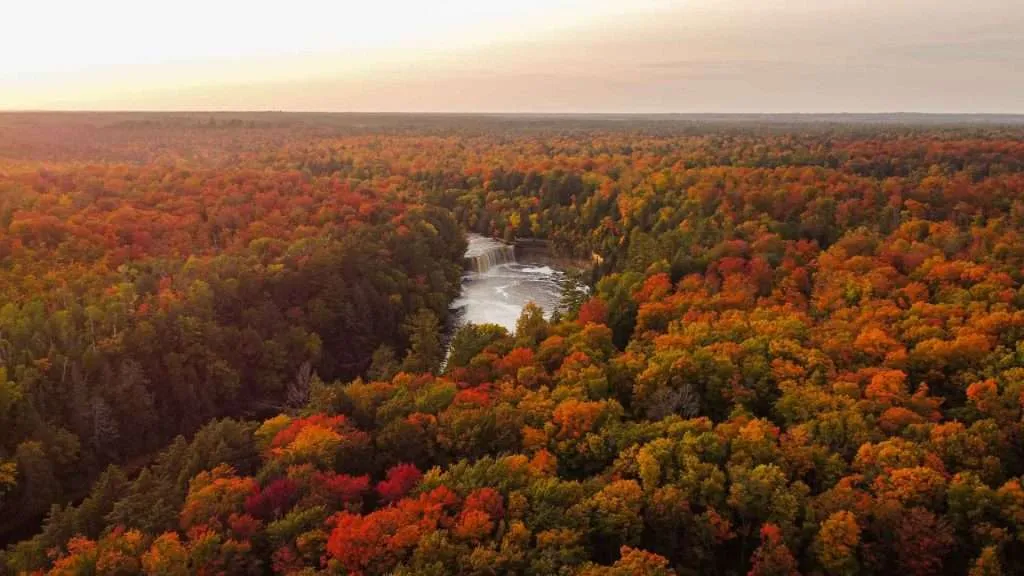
{"points": [[495, 286]]}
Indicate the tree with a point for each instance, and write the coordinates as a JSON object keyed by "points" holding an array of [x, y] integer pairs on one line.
{"points": [[531, 327], [593, 310], [837, 542], [632, 562], [987, 564], [400, 480], [166, 557], [773, 557], [425, 351], [472, 339], [383, 365]]}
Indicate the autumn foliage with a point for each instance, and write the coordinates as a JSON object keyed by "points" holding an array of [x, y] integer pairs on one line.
{"points": [[799, 350]]}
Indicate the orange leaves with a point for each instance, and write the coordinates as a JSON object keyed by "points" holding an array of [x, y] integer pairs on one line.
{"points": [[887, 386], [875, 343], [897, 418], [473, 525], [481, 511], [516, 359], [654, 288], [321, 440], [988, 399], [544, 462], [632, 562], [289, 433], [575, 418], [814, 341], [837, 542], [912, 486], [118, 552], [719, 526], [376, 542], [214, 496], [166, 557], [80, 559]]}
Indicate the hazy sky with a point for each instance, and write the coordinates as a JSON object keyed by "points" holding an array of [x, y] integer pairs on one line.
{"points": [[515, 55]]}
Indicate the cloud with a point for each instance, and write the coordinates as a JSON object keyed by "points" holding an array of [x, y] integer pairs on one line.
{"points": [[722, 56]]}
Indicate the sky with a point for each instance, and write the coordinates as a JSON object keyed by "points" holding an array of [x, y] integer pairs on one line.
{"points": [[531, 56]]}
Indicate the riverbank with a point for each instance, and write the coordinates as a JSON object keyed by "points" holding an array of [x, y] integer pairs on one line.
{"points": [[538, 253]]}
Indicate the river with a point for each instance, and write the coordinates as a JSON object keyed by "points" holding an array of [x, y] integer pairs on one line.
{"points": [[496, 286]]}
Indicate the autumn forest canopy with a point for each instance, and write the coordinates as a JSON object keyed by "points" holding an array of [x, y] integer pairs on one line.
{"points": [[225, 346]]}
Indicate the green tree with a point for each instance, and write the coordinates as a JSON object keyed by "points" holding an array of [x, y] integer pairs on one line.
{"points": [[425, 351], [531, 327]]}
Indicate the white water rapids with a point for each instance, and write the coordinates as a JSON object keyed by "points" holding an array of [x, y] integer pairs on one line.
{"points": [[495, 286]]}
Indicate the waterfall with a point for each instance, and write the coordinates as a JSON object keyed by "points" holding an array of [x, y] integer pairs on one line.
{"points": [[484, 253]]}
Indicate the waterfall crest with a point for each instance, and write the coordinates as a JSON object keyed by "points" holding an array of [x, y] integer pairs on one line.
{"points": [[484, 253]]}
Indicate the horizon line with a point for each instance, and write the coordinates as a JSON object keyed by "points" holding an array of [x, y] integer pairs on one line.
{"points": [[552, 114]]}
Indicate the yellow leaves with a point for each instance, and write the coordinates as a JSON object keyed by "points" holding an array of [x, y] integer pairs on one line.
{"points": [[649, 462], [620, 494], [213, 496], [533, 438], [8, 475], [265, 434], [10, 394], [987, 564], [312, 441], [166, 557], [616, 510], [966, 348], [755, 443], [557, 538], [912, 486], [1011, 503], [632, 562], [836, 543], [116, 553]]}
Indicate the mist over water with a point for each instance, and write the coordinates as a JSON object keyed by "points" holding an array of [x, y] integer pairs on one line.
{"points": [[496, 287]]}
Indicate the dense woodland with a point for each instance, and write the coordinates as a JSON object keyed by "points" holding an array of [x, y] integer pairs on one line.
{"points": [[222, 340]]}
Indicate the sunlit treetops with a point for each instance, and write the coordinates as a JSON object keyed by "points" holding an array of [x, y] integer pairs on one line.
{"points": [[800, 351]]}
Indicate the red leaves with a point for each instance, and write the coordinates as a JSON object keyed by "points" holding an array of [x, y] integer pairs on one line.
{"points": [[594, 311], [375, 543], [516, 359], [654, 288], [923, 541], [473, 525], [478, 396], [773, 557], [288, 435], [486, 499], [272, 499], [347, 489], [400, 480]]}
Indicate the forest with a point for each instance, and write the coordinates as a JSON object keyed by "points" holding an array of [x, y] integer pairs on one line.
{"points": [[224, 346]]}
